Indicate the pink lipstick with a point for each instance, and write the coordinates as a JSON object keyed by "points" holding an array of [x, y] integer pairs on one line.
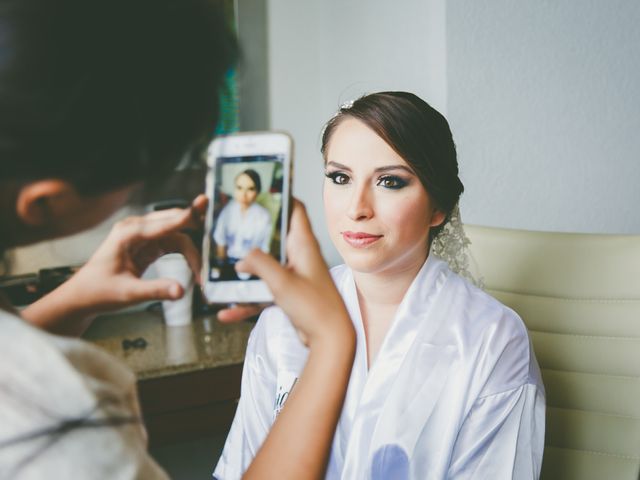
{"points": [[360, 239]]}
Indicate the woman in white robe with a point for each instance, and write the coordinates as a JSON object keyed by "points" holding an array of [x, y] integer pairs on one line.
{"points": [[445, 383], [243, 224]]}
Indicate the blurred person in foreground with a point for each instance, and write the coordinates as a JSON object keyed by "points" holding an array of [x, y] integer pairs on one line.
{"points": [[97, 97]]}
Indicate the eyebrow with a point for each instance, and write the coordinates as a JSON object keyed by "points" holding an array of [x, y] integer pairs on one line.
{"points": [[377, 170]]}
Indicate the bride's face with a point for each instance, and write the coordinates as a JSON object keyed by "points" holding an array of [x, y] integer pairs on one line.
{"points": [[377, 211], [245, 192]]}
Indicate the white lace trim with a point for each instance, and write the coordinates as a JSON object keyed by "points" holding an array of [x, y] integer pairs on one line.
{"points": [[451, 245]]}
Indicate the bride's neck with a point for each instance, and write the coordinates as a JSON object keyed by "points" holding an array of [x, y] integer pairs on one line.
{"points": [[387, 287]]}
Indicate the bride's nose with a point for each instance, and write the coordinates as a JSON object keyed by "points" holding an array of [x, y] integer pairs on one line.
{"points": [[360, 204]]}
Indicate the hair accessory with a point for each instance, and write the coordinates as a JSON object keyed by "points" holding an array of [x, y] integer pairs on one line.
{"points": [[346, 105], [451, 246]]}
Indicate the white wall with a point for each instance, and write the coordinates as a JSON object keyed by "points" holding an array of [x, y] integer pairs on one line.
{"points": [[544, 102], [542, 98], [324, 53]]}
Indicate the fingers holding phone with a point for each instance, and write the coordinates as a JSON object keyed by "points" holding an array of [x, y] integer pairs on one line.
{"points": [[304, 285], [111, 278], [248, 186], [113, 273]]}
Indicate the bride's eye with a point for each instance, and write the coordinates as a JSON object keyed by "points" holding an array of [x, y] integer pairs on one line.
{"points": [[338, 178], [391, 182]]}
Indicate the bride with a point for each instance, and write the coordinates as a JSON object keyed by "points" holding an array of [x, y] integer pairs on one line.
{"points": [[444, 383]]}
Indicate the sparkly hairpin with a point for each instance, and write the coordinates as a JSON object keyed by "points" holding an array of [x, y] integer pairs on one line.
{"points": [[346, 105]]}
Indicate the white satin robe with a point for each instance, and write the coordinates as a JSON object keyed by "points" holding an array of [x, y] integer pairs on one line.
{"points": [[454, 392]]}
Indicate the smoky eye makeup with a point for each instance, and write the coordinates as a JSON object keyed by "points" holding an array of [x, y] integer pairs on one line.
{"points": [[392, 182], [337, 177]]}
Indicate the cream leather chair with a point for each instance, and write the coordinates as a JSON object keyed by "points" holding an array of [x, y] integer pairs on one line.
{"points": [[579, 296]]}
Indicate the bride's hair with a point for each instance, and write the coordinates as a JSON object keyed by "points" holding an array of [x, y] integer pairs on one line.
{"points": [[418, 133], [255, 178]]}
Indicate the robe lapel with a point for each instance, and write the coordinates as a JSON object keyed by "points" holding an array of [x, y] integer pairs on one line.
{"points": [[397, 379], [416, 392], [358, 376]]}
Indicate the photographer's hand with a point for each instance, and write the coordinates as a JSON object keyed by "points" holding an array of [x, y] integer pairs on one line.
{"points": [[304, 285], [111, 278], [305, 291]]}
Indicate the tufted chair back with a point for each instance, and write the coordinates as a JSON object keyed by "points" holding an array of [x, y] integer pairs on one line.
{"points": [[579, 296]]}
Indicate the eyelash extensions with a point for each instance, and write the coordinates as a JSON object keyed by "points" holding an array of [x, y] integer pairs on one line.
{"points": [[391, 182], [333, 176]]}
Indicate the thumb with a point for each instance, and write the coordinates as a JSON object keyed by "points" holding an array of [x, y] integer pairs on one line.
{"points": [[158, 289], [267, 268]]}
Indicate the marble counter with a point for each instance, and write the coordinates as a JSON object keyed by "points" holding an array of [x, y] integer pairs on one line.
{"points": [[204, 344]]}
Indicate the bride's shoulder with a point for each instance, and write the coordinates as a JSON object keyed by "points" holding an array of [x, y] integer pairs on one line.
{"points": [[482, 312], [494, 335]]}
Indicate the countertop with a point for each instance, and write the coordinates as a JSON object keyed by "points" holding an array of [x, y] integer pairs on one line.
{"points": [[203, 344]]}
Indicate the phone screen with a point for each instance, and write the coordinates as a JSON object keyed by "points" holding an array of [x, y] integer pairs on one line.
{"points": [[247, 212]]}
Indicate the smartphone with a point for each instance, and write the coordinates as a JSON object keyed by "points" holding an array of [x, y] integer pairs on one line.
{"points": [[248, 186]]}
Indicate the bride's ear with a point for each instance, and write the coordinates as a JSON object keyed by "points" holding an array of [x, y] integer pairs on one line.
{"points": [[41, 202], [437, 218]]}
